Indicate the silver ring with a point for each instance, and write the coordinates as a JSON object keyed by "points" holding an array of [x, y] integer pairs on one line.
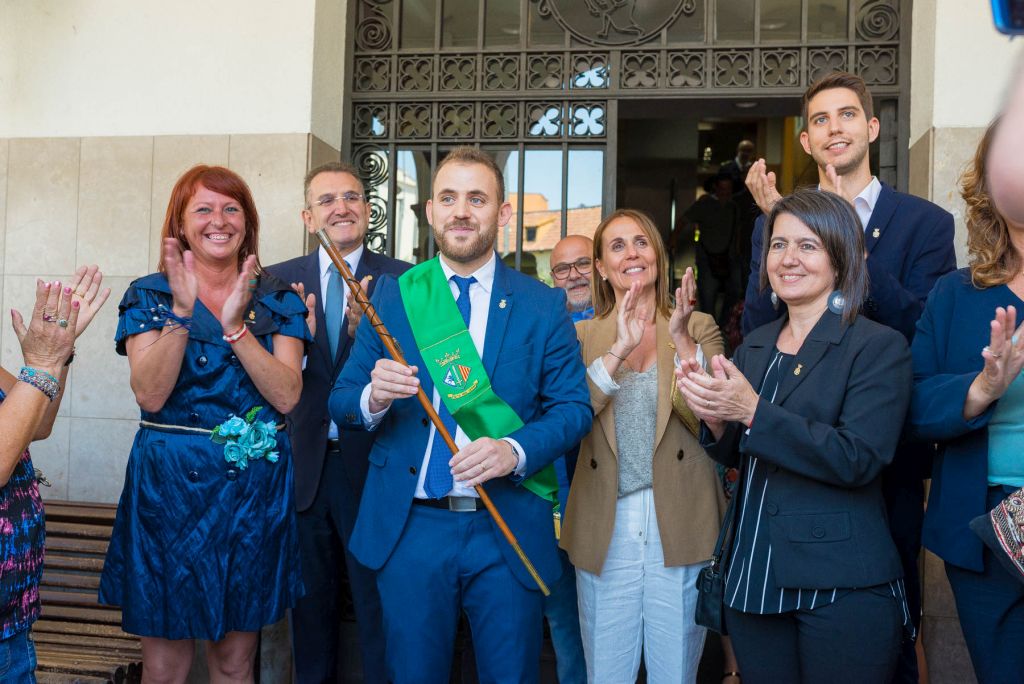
{"points": [[63, 322], [709, 403], [992, 353]]}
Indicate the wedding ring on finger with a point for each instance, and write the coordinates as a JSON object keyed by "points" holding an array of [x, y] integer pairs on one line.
{"points": [[48, 317], [991, 353]]}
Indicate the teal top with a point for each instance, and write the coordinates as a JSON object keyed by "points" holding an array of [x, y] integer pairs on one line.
{"points": [[1006, 438]]}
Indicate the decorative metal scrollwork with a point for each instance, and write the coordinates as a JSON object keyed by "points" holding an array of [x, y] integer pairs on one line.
{"points": [[371, 120], [413, 120], [686, 69], [416, 73], [458, 72], [732, 68], [615, 22], [456, 120], [877, 66], [373, 32], [780, 68], [587, 119], [640, 70], [501, 72], [878, 21], [589, 70], [544, 71], [500, 120], [544, 120], [372, 74], [372, 163], [823, 62]]}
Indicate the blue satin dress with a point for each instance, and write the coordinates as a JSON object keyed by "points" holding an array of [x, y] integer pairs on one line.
{"points": [[202, 547]]}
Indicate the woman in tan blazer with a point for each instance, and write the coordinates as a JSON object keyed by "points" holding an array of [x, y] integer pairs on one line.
{"points": [[646, 501]]}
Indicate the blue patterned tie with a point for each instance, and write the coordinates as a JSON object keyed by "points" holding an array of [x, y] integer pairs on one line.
{"points": [[438, 481], [335, 310]]}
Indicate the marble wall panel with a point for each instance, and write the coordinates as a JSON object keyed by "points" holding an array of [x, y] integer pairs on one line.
{"points": [[953, 149], [42, 206], [274, 166], [51, 457], [114, 203], [98, 454], [173, 155], [4, 151]]}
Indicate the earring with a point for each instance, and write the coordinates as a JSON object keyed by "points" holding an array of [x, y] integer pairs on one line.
{"points": [[837, 303], [775, 300], [604, 277]]}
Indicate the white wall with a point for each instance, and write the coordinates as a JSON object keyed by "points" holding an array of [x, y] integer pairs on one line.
{"points": [[80, 68], [960, 64]]}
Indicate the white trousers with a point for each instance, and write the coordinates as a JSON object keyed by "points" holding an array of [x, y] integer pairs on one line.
{"points": [[636, 602]]}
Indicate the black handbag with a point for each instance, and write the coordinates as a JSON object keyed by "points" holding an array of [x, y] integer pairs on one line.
{"points": [[710, 611]]}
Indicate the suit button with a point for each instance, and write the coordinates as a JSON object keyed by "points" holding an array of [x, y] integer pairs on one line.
{"points": [[593, 463], [350, 417], [233, 360], [202, 361], [680, 455], [231, 474], [193, 418], [412, 470], [426, 423], [772, 509], [818, 532], [193, 476]]}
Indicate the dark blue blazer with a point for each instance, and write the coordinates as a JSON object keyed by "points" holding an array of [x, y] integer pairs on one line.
{"points": [[825, 440], [947, 358], [307, 423], [910, 244], [533, 359]]}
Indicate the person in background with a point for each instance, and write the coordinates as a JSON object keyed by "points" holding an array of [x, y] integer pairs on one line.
{"points": [[909, 244], [811, 413], [204, 544], [717, 218], [646, 502], [330, 468], [571, 265], [28, 407], [969, 396]]}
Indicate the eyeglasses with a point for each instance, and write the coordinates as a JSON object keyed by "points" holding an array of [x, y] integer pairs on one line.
{"points": [[347, 197], [582, 265]]}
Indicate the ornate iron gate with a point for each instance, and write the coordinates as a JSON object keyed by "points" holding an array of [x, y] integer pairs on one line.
{"points": [[519, 75]]}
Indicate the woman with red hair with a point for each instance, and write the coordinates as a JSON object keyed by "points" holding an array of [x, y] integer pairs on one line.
{"points": [[205, 536]]}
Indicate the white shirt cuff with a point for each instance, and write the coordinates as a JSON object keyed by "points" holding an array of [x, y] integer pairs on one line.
{"points": [[370, 420], [598, 374], [517, 449], [699, 356]]}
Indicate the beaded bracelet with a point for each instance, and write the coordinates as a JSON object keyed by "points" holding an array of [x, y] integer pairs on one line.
{"points": [[237, 335], [41, 380]]}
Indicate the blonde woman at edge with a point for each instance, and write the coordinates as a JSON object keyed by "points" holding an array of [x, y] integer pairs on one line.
{"points": [[646, 502]]}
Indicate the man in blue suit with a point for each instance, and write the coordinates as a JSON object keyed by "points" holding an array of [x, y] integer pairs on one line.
{"points": [[421, 526], [330, 469], [909, 243]]}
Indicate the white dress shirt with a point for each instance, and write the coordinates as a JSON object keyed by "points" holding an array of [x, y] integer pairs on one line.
{"points": [[480, 302], [864, 203], [352, 260]]}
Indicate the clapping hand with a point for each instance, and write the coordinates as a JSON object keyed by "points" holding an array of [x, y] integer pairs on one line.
{"points": [[354, 312], [310, 302], [48, 340], [678, 324], [85, 285], [761, 184], [1004, 359], [233, 311], [725, 396], [181, 276], [630, 322]]}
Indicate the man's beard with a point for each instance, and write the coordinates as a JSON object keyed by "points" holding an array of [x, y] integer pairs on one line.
{"points": [[471, 248], [578, 303], [848, 167]]}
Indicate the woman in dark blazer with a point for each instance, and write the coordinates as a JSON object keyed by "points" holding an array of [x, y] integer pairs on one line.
{"points": [[811, 413], [969, 397]]}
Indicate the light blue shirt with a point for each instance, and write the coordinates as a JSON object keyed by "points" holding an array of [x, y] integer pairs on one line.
{"points": [[1006, 438]]}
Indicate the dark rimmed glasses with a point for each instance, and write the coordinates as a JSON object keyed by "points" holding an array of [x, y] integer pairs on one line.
{"points": [[583, 266]]}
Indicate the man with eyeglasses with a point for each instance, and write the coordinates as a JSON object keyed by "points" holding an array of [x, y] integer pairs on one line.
{"points": [[571, 263], [329, 470]]}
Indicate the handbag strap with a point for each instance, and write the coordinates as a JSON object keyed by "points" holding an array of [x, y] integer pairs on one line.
{"points": [[723, 534]]}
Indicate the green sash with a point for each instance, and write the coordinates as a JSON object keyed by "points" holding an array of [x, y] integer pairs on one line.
{"points": [[455, 366]]}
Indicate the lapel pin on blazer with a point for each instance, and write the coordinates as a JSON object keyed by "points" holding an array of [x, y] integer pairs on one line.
{"points": [[876, 232], [501, 304], [799, 367]]}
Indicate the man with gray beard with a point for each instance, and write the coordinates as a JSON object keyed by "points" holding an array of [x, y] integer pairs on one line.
{"points": [[571, 263]]}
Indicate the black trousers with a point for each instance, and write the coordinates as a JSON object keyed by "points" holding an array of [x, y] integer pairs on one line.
{"points": [[324, 531], [855, 640]]}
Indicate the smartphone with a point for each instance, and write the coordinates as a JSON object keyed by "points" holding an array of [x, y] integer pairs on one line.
{"points": [[1008, 16]]}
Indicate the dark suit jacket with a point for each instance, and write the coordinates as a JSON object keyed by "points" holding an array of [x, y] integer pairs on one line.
{"points": [[532, 357], [832, 429], [910, 244], [308, 423]]}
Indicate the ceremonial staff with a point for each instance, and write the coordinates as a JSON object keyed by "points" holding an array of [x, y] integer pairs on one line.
{"points": [[396, 353]]}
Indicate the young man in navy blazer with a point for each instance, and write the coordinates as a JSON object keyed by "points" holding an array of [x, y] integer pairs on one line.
{"points": [[909, 244], [421, 526], [330, 468]]}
